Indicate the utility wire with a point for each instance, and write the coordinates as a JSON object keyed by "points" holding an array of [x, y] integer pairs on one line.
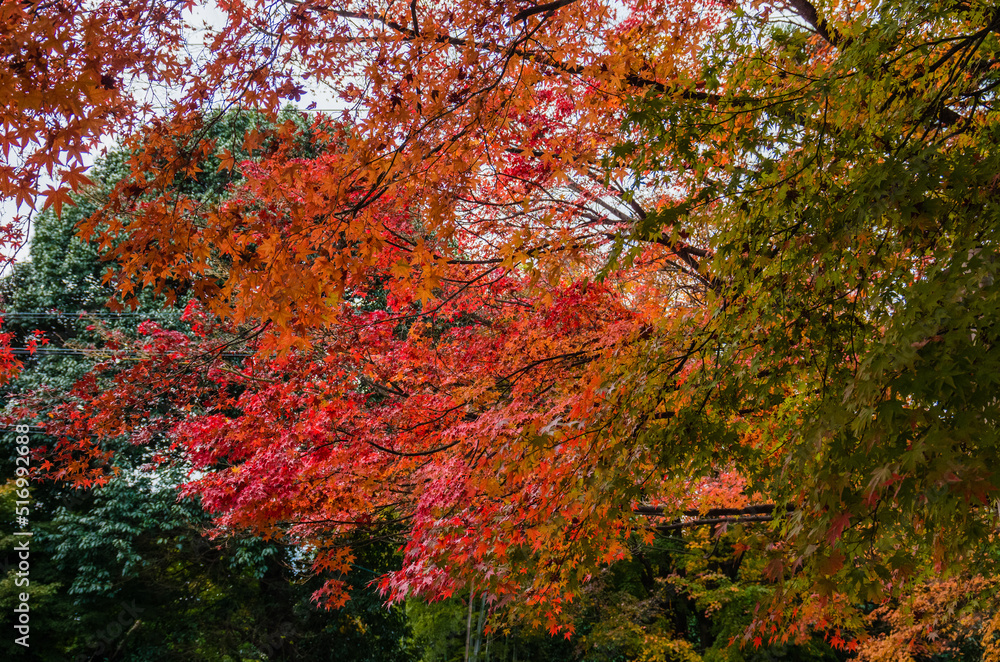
{"points": [[73, 351], [83, 314]]}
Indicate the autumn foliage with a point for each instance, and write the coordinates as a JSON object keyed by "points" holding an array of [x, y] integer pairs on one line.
{"points": [[550, 279]]}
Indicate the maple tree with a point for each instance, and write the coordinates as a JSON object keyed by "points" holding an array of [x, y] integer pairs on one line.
{"points": [[562, 267], [131, 541]]}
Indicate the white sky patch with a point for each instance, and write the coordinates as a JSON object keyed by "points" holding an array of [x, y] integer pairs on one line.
{"points": [[203, 20]]}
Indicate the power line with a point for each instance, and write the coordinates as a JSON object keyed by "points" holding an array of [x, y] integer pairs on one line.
{"points": [[82, 315], [32, 429], [73, 351]]}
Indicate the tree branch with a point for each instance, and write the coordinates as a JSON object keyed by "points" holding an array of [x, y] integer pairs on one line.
{"points": [[807, 12], [413, 15], [538, 9], [673, 526], [761, 509]]}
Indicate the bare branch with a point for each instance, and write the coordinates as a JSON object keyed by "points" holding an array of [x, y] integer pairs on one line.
{"points": [[539, 9]]}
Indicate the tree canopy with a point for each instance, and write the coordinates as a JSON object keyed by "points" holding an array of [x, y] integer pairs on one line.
{"points": [[123, 568], [553, 278]]}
